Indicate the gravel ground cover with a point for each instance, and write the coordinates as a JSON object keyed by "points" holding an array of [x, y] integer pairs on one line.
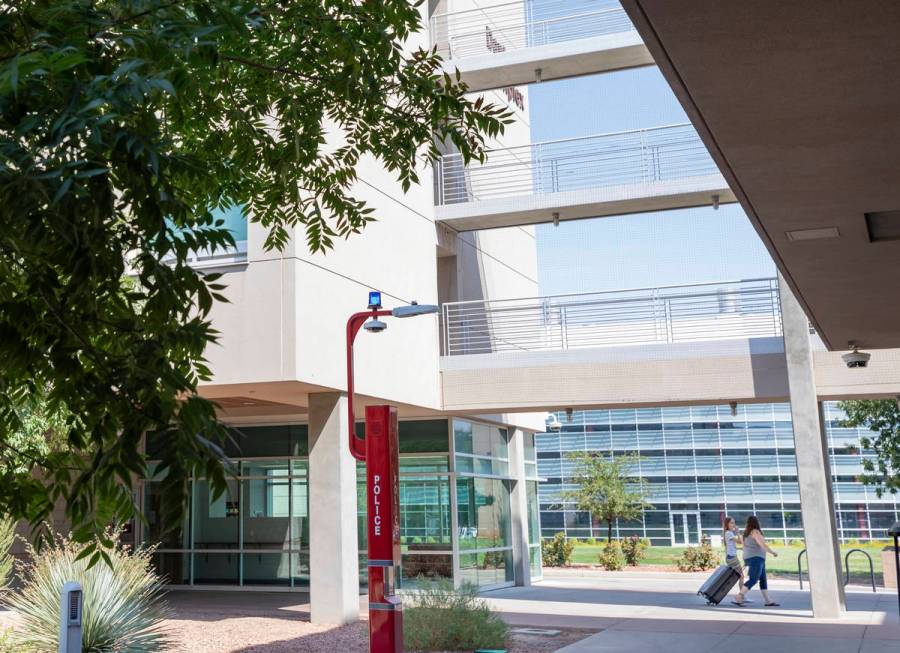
{"points": [[267, 635], [244, 623]]}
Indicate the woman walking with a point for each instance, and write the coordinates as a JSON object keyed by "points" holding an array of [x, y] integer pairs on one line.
{"points": [[732, 537], [755, 549]]}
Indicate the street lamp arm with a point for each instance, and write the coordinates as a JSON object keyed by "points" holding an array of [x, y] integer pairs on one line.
{"points": [[357, 444]]}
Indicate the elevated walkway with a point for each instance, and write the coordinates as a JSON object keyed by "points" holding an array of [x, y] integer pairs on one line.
{"points": [[633, 171], [700, 344], [509, 44]]}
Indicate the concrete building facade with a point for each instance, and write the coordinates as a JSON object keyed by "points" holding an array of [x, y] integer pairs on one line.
{"points": [[473, 387]]}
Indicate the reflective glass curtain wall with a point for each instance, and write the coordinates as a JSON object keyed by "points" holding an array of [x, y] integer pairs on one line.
{"points": [[702, 462]]}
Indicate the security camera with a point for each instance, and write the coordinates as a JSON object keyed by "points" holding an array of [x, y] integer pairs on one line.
{"points": [[554, 425], [856, 358], [375, 325]]}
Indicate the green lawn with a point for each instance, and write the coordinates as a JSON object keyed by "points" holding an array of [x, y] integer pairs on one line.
{"points": [[785, 565]]}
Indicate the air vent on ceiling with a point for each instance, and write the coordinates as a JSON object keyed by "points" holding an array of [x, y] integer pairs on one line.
{"points": [[883, 225], [816, 233]]}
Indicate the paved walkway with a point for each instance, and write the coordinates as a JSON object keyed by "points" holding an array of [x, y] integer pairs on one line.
{"points": [[642, 612]]}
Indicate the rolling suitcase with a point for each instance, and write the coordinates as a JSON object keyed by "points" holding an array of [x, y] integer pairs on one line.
{"points": [[718, 585]]}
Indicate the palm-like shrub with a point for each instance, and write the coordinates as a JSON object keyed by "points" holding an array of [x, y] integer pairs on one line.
{"points": [[123, 604]]}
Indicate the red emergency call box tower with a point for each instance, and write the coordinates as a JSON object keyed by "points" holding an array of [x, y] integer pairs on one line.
{"points": [[380, 450], [383, 516]]}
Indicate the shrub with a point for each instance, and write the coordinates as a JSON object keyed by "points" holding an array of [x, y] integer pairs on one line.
{"points": [[441, 618], [7, 561], [611, 557], [557, 551], [698, 558], [123, 604], [634, 549]]}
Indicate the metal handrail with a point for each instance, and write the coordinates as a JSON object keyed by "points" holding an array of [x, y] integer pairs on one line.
{"points": [[513, 26], [657, 155], [847, 567], [642, 316]]}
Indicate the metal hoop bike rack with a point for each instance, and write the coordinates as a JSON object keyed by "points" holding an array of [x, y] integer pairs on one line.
{"points": [[846, 567]]}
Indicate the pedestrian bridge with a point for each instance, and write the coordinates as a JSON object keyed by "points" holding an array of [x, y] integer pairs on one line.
{"points": [[633, 171], [678, 345], [516, 43]]}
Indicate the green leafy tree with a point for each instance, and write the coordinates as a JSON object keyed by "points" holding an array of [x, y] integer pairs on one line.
{"points": [[882, 417], [124, 126], [607, 488]]}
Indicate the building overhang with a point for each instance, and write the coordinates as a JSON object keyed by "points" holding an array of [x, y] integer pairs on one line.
{"points": [[797, 104]]}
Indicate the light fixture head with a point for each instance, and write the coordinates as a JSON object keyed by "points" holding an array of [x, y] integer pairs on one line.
{"points": [[569, 413], [414, 309], [553, 424], [555, 218]]}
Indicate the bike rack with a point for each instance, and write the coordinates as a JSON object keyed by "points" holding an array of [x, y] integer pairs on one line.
{"points": [[846, 567], [800, 567]]}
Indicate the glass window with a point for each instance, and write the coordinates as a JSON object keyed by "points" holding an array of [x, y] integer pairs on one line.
{"points": [[216, 519], [483, 513]]}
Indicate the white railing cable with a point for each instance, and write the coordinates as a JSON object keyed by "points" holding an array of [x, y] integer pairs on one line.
{"points": [[510, 26], [642, 156], [698, 312]]}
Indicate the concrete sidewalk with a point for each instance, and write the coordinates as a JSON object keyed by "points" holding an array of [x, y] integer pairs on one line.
{"points": [[640, 612]]}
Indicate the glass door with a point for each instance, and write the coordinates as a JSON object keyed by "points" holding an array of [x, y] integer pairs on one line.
{"points": [[685, 528]]}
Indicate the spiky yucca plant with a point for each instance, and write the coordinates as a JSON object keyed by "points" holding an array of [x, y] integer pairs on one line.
{"points": [[123, 603], [7, 561]]}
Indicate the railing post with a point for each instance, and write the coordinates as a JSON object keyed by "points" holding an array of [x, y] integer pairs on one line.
{"points": [[644, 163], [439, 173], [670, 328], [563, 327]]}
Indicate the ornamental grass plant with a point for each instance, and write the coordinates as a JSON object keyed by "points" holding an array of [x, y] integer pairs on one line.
{"points": [[123, 603]]}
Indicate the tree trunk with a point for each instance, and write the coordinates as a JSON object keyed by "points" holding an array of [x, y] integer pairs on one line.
{"points": [[608, 531]]}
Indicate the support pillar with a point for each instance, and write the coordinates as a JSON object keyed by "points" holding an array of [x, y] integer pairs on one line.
{"points": [[333, 550], [518, 504], [813, 468]]}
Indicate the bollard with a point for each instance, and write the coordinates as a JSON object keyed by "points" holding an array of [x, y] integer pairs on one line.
{"points": [[70, 607]]}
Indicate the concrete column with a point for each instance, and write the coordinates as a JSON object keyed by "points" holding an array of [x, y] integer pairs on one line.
{"points": [[333, 548], [813, 468], [518, 504]]}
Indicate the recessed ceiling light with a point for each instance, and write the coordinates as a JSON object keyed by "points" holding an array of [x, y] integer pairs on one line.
{"points": [[883, 225], [817, 233]]}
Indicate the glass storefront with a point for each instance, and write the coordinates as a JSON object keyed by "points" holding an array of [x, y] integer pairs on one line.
{"points": [[483, 483], [257, 532]]}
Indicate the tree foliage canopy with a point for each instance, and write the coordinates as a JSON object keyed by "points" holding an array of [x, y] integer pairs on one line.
{"points": [[882, 417], [124, 126], [607, 487]]}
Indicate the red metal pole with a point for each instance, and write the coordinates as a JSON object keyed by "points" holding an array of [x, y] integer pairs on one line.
{"points": [[357, 445]]}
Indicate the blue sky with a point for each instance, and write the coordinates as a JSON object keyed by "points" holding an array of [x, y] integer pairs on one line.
{"points": [[663, 248]]}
